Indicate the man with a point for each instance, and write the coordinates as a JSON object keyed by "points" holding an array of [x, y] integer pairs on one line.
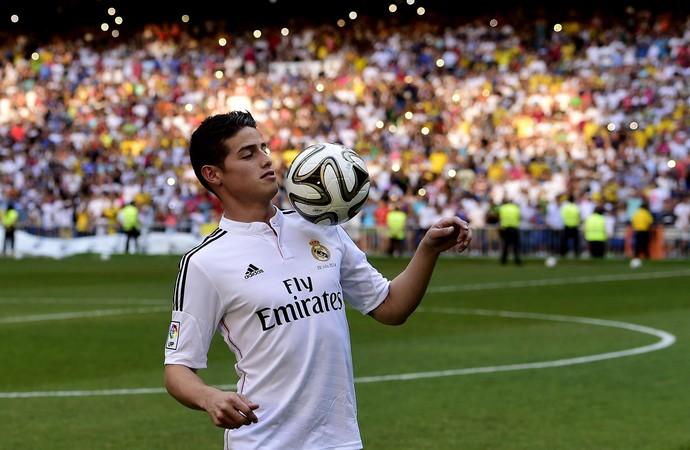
{"points": [[275, 287], [9, 221], [570, 214], [641, 223], [595, 233], [682, 224], [129, 219], [396, 220], [509, 221]]}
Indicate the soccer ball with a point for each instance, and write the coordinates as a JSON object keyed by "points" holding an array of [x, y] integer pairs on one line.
{"points": [[550, 262], [635, 263], [327, 183]]}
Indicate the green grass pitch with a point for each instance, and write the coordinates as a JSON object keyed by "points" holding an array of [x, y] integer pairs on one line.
{"points": [[587, 355]]}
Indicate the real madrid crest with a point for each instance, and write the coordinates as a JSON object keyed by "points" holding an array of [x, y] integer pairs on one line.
{"points": [[318, 251]]}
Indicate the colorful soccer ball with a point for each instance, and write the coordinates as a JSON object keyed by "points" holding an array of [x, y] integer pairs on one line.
{"points": [[327, 183]]}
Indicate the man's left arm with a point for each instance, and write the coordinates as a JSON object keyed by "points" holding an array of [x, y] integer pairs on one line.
{"points": [[408, 288]]}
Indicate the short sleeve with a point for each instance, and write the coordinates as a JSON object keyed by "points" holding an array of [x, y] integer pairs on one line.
{"points": [[364, 287]]}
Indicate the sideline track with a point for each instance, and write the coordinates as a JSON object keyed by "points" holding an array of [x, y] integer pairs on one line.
{"points": [[665, 339]]}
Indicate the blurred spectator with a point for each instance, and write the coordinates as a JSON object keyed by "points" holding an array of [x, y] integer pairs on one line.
{"points": [[131, 226], [509, 219], [595, 231], [682, 224], [83, 223], [109, 123], [380, 215], [9, 221], [396, 222], [642, 221], [428, 215], [570, 215], [554, 224]]}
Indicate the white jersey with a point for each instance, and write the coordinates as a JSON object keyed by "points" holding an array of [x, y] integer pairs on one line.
{"points": [[277, 295]]}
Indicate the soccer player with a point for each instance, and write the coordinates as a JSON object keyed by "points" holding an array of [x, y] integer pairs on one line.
{"points": [[276, 287]]}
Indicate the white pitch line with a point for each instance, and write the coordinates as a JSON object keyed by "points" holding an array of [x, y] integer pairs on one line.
{"points": [[45, 394], [666, 339], [561, 281], [82, 301], [82, 314]]}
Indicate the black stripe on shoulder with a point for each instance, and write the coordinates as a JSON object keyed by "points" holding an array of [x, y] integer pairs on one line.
{"points": [[288, 211], [178, 298]]}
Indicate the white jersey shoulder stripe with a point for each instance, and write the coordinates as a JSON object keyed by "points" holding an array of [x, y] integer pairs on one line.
{"points": [[178, 301]]}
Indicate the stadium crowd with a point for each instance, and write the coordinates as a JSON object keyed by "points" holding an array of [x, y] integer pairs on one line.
{"points": [[450, 114]]}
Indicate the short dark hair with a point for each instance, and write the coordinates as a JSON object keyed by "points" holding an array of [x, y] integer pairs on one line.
{"points": [[207, 145]]}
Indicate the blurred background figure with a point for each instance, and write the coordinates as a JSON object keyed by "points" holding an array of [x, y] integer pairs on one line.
{"points": [[9, 222], [396, 221], [69, 146], [570, 214], [131, 226], [509, 220], [641, 222], [595, 233]]}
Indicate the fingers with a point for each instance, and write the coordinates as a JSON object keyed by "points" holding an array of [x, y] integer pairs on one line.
{"points": [[448, 224], [242, 416], [464, 241], [233, 411], [247, 409], [451, 232], [464, 236]]}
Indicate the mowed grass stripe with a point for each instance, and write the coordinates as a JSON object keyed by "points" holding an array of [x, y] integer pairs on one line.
{"points": [[666, 340]]}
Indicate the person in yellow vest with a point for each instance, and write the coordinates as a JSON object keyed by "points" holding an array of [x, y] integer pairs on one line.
{"points": [[641, 223], [509, 221], [595, 233], [112, 222], [396, 220], [9, 221], [83, 221], [570, 214], [129, 218]]}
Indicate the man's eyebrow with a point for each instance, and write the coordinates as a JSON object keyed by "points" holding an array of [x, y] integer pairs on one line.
{"points": [[250, 147]]}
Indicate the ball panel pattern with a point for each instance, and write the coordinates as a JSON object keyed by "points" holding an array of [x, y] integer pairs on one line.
{"points": [[327, 183]]}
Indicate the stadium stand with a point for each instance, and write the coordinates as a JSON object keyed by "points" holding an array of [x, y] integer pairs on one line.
{"points": [[455, 112]]}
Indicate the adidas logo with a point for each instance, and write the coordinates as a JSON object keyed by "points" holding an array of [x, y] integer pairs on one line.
{"points": [[252, 271]]}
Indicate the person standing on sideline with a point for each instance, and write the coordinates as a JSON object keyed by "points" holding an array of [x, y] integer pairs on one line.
{"points": [[509, 221], [9, 221], [570, 213], [275, 287], [129, 219], [682, 224], [595, 233], [554, 224], [641, 223], [396, 219]]}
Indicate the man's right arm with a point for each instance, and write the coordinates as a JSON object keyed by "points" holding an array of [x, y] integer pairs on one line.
{"points": [[227, 409]]}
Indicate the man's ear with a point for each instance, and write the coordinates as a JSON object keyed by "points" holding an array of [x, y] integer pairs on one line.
{"points": [[211, 174]]}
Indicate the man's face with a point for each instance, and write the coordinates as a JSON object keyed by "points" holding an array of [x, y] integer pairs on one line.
{"points": [[247, 175]]}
